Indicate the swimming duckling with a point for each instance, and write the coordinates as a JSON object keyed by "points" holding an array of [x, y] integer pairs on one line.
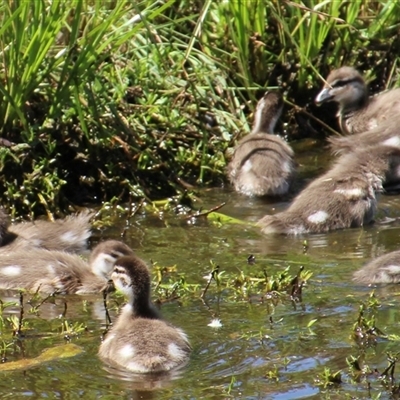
{"points": [[69, 234], [262, 164], [58, 271], [343, 197], [358, 112], [384, 269], [140, 341]]}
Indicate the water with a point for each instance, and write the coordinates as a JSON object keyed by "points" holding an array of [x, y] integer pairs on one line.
{"points": [[262, 350]]}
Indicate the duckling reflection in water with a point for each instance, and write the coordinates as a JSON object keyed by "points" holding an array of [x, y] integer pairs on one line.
{"points": [[69, 234], [384, 269], [58, 271], [140, 341], [262, 164], [344, 197], [358, 112]]}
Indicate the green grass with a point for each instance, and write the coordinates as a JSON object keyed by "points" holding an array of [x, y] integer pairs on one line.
{"points": [[126, 100]]}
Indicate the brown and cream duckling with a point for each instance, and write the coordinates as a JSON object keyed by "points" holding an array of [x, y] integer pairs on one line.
{"points": [[357, 111], [262, 164], [343, 197], [49, 271], [140, 341], [384, 269], [69, 234]]}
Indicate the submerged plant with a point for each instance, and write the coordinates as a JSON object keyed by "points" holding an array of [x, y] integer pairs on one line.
{"points": [[365, 331], [329, 378]]}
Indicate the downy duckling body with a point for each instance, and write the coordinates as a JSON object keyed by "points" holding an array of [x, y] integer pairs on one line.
{"points": [[384, 269], [387, 134], [343, 197], [58, 271], [358, 112], [69, 234], [140, 341], [262, 164]]}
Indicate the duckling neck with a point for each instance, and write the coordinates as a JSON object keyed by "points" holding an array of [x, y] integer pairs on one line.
{"points": [[264, 120], [142, 307], [347, 110]]}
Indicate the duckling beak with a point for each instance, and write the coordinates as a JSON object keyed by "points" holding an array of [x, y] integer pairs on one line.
{"points": [[323, 96], [109, 287]]}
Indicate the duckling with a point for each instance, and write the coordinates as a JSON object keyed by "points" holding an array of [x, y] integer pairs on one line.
{"points": [[384, 269], [343, 197], [140, 341], [358, 112], [69, 234], [262, 164], [49, 271]]}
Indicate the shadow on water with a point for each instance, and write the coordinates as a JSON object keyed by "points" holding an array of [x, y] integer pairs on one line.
{"points": [[262, 350]]}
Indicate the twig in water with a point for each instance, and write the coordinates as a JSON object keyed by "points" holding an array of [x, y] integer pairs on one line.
{"points": [[212, 276], [108, 318], [205, 213]]}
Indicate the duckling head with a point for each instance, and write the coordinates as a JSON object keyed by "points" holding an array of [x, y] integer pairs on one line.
{"points": [[132, 278], [345, 86], [105, 254], [269, 109]]}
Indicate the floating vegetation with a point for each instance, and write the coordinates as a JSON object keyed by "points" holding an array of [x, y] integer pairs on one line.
{"points": [[52, 354], [262, 286]]}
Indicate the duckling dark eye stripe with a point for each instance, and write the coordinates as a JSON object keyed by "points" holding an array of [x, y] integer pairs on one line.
{"points": [[344, 82], [119, 270]]}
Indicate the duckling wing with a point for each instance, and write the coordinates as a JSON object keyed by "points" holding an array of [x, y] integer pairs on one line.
{"points": [[68, 234], [383, 108], [387, 134]]}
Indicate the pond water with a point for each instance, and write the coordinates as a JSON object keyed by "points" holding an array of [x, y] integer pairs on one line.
{"points": [[263, 350]]}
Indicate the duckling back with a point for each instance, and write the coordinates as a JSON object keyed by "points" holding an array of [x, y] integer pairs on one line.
{"points": [[145, 345], [384, 269], [49, 271], [344, 197], [69, 234], [43, 270], [262, 164]]}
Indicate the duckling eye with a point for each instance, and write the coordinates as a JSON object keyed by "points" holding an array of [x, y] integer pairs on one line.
{"points": [[340, 83], [114, 254]]}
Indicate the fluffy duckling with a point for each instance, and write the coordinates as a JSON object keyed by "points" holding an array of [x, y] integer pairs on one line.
{"points": [[262, 164], [358, 112], [384, 269], [343, 197], [140, 341], [69, 234], [58, 271]]}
